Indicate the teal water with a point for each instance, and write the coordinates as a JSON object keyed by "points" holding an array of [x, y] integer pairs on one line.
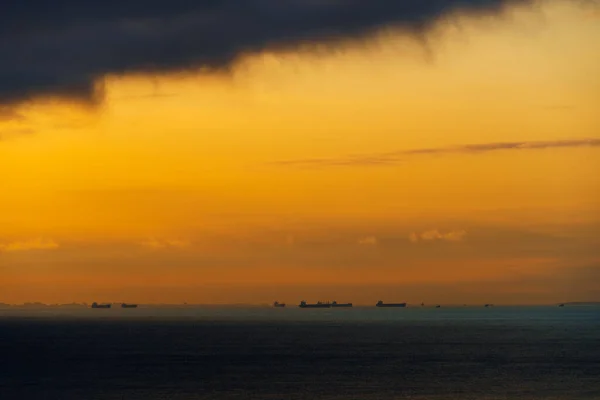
{"points": [[293, 313], [451, 353]]}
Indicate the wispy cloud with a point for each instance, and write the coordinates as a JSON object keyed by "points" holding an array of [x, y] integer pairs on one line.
{"points": [[368, 241], [9, 113], [559, 107], [594, 14], [34, 244], [8, 133], [395, 157], [434, 234], [165, 244], [146, 96]]}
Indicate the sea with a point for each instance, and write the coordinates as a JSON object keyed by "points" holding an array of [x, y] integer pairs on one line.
{"points": [[202, 352]]}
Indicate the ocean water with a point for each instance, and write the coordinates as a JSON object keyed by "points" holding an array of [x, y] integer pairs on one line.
{"points": [[499, 353]]}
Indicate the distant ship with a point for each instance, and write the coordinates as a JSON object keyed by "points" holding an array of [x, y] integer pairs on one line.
{"points": [[561, 305], [438, 306], [382, 304], [123, 305], [319, 304], [278, 304], [96, 305], [336, 304]]}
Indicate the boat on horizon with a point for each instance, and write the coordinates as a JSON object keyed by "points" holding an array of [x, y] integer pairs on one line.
{"points": [[336, 304], [124, 305], [380, 303], [278, 304], [96, 305], [319, 304]]}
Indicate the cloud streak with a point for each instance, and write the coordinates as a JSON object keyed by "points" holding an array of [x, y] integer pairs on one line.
{"points": [[391, 158], [368, 241], [35, 244], [156, 244], [62, 48], [435, 235], [8, 114], [8, 133]]}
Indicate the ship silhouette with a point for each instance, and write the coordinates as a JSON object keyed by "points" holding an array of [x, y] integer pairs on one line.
{"points": [[96, 305], [123, 305], [336, 304], [319, 304], [380, 303], [278, 304]]}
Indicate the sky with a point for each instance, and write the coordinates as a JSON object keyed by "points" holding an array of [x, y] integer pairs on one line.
{"points": [[215, 152]]}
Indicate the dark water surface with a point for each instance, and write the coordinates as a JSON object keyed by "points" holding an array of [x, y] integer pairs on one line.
{"points": [[260, 353]]}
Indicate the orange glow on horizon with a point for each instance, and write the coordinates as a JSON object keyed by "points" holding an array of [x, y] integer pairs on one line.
{"points": [[175, 182]]}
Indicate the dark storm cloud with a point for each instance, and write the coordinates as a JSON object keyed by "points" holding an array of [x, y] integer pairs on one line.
{"points": [[61, 47], [395, 157]]}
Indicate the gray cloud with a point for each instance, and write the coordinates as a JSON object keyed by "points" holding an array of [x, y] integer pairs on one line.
{"points": [[395, 157], [61, 48]]}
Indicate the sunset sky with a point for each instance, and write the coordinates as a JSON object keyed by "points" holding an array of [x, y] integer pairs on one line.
{"points": [[453, 161]]}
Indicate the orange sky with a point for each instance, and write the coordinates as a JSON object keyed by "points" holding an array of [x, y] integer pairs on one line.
{"points": [[296, 175]]}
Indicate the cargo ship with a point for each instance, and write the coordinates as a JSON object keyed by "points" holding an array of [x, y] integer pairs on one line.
{"points": [[278, 304], [123, 305], [382, 304], [336, 304], [96, 305], [319, 304]]}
